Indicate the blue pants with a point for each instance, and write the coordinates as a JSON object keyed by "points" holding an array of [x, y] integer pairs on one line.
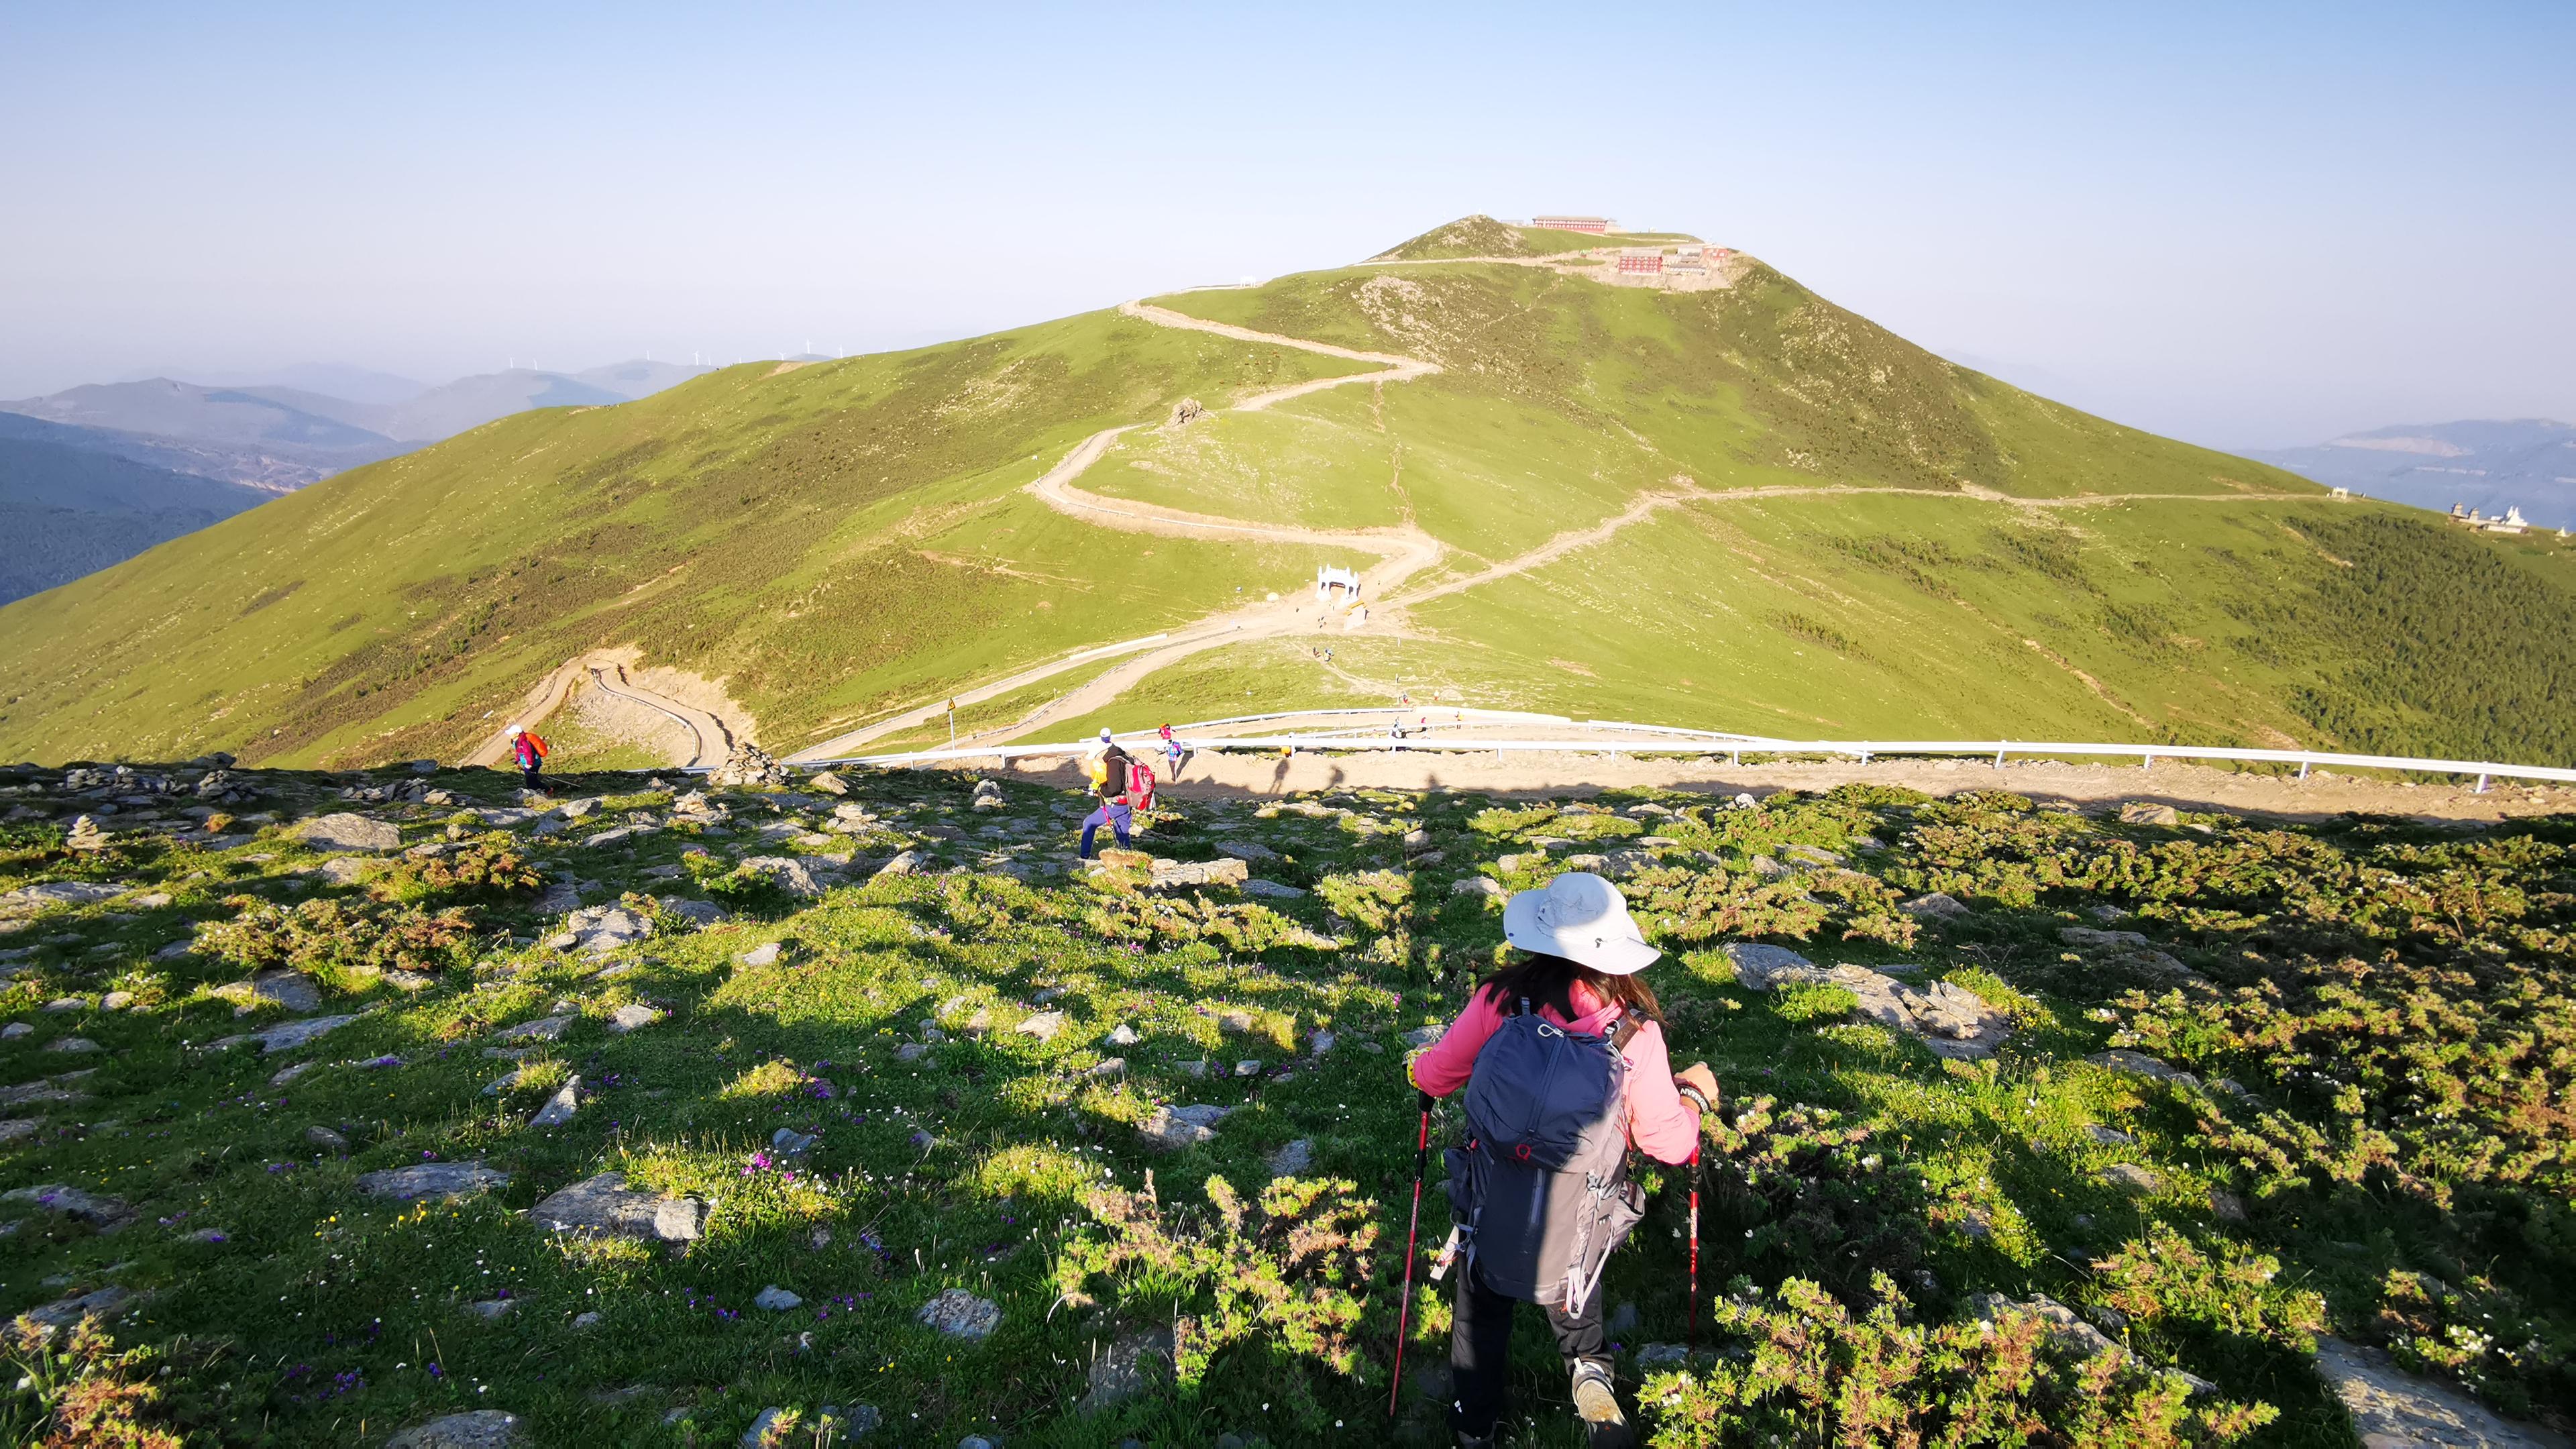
{"points": [[1112, 813]]}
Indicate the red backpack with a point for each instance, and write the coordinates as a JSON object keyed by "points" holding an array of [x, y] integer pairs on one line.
{"points": [[1140, 786]]}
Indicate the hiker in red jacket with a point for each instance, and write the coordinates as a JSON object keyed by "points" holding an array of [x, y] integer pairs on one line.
{"points": [[1572, 1000], [530, 752]]}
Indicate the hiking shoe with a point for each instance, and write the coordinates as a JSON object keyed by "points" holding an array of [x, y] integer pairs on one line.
{"points": [[1597, 1405]]}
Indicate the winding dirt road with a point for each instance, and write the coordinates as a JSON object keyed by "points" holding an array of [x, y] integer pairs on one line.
{"points": [[713, 738]]}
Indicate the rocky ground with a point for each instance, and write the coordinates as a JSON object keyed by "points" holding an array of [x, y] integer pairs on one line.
{"points": [[788, 1107]]}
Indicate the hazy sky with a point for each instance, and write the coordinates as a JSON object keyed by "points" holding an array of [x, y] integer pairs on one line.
{"points": [[2244, 230]]}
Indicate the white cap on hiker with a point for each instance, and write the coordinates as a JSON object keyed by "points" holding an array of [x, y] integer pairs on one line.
{"points": [[515, 730], [1582, 918], [1104, 734]]}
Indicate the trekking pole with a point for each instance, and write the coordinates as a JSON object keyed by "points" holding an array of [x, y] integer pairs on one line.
{"points": [[1694, 1252], [1404, 1305]]}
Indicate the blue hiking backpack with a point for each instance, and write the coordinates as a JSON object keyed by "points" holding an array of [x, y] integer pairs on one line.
{"points": [[1540, 1187]]}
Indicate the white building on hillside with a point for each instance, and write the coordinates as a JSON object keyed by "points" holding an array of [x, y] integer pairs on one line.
{"points": [[1336, 588]]}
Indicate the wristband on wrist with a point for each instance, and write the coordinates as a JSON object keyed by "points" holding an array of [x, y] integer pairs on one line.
{"points": [[1704, 1104]]}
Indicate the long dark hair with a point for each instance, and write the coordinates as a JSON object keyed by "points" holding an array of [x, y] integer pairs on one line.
{"points": [[1549, 981]]}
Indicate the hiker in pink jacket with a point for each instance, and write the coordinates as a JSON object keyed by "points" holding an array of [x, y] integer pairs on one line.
{"points": [[1579, 978]]}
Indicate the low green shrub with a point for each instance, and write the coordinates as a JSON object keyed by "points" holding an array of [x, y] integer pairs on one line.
{"points": [[340, 940], [1292, 1267], [1815, 1374]]}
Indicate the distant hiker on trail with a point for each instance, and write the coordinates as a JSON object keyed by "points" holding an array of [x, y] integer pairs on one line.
{"points": [[1172, 749], [1108, 768], [1562, 1057], [530, 752]]}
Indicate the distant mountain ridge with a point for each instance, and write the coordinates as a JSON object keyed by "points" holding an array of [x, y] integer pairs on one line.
{"points": [[2489, 465], [68, 508], [95, 474]]}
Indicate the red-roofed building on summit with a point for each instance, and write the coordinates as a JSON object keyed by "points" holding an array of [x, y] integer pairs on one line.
{"points": [[1597, 225], [1641, 261]]}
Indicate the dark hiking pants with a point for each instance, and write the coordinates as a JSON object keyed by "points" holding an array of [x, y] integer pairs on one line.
{"points": [[1480, 1337], [1113, 814], [528, 777]]}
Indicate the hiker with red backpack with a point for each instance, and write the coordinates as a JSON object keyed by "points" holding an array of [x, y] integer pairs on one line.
{"points": [[1562, 1058], [530, 753], [1113, 780]]}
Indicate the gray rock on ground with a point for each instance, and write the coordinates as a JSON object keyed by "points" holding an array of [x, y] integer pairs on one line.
{"points": [[601, 929], [95, 1209], [1136, 1364], [2393, 1409], [30, 899], [1294, 1158], [1756, 965], [1045, 1025], [604, 1204], [695, 912], [543, 1028], [1937, 905], [786, 873], [634, 1016], [561, 1107], [2071, 1334], [1246, 850], [343, 830], [906, 862], [764, 954], [1174, 874], [444, 1181], [2147, 812], [2139, 1064], [1272, 890], [2083, 937], [961, 1314], [775, 1299], [2130, 1178], [1950, 1020], [287, 990], [63, 1313], [1172, 1128], [477, 1429]]}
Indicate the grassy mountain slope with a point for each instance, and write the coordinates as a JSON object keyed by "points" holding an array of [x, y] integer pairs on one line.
{"points": [[68, 510], [824, 536], [1859, 539], [1970, 603]]}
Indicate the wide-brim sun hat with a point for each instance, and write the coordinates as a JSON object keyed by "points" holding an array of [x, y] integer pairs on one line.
{"points": [[1582, 918]]}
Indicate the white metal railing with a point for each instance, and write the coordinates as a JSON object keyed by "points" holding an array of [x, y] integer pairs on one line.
{"points": [[1710, 743]]}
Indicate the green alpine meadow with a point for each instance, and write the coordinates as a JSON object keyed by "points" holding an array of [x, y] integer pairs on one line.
{"points": [[846, 1109]]}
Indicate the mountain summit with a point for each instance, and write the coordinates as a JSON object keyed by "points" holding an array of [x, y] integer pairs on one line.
{"points": [[1628, 476]]}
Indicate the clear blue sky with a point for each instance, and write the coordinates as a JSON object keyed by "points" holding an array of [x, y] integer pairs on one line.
{"points": [[2245, 229]]}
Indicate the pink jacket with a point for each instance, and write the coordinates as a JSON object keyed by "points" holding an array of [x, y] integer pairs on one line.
{"points": [[1660, 1123]]}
